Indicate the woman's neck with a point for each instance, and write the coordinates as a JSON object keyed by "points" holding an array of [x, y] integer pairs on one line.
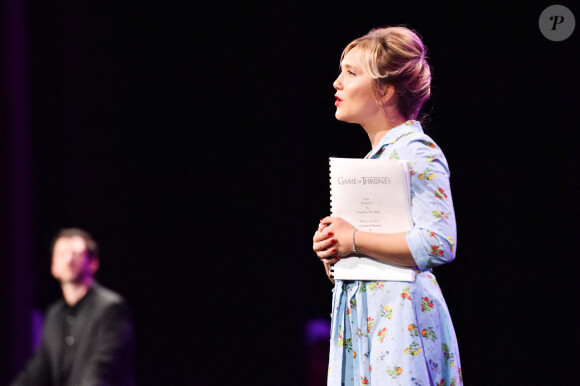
{"points": [[378, 131]]}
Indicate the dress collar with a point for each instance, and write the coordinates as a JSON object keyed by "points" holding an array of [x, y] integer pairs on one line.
{"points": [[393, 135]]}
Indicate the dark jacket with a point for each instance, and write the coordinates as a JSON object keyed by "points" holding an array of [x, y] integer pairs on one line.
{"points": [[103, 335]]}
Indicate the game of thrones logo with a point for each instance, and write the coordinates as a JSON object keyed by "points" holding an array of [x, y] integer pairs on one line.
{"points": [[364, 181]]}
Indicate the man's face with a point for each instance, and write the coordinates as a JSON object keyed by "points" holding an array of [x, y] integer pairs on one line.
{"points": [[71, 262]]}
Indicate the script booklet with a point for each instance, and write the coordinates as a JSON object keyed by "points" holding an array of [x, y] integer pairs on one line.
{"points": [[373, 195]]}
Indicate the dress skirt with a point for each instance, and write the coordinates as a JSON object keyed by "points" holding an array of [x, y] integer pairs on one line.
{"points": [[392, 333]]}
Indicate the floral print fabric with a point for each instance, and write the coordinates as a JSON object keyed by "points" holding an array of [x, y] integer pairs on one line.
{"points": [[400, 333]]}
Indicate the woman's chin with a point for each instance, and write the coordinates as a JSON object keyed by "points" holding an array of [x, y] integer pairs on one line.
{"points": [[344, 118]]}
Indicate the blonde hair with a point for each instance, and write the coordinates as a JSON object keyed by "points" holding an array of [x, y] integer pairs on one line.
{"points": [[396, 56]]}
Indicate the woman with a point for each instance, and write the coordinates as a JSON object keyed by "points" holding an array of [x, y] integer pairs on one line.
{"points": [[387, 332]]}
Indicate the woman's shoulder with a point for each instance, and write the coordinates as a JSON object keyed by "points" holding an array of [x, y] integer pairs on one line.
{"points": [[421, 151], [416, 137], [416, 143]]}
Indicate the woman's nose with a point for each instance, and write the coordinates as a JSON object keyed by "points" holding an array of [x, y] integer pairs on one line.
{"points": [[337, 85]]}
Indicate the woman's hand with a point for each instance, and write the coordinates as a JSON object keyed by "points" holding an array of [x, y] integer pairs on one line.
{"points": [[333, 239]]}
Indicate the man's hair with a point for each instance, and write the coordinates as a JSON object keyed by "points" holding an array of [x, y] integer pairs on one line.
{"points": [[92, 247]]}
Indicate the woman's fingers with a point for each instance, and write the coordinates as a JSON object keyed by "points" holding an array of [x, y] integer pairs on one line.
{"points": [[327, 253], [324, 234], [327, 220], [332, 260], [324, 244], [323, 231]]}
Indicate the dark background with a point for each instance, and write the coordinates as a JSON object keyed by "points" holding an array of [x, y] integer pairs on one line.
{"points": [[193, 142]]}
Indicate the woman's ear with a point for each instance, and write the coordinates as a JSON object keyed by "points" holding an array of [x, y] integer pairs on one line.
{"points": [[385, 94]]}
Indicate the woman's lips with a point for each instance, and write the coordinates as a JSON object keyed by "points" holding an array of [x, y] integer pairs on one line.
{"points": [[337, 101]]}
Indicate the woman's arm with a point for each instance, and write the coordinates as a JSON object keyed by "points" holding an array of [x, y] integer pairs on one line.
{"points": [[390, 247], [431, 242]]}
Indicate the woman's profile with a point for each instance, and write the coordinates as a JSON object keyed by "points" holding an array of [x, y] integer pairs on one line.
{"points": [[393, 332]]}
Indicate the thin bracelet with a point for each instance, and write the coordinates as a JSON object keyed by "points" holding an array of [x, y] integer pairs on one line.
{"points": [[353, 245]]}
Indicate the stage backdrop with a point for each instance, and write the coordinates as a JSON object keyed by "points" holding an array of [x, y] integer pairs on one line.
{"points": [[193, 141]]}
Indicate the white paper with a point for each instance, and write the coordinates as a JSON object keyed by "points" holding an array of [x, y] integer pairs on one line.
{"points": [[373, 195]]}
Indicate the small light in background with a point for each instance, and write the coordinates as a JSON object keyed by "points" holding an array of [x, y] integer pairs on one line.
{"points": [[317, 334], [37, 324]]}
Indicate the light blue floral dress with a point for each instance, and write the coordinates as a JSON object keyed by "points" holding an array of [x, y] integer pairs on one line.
{"points": [[400, 333]]}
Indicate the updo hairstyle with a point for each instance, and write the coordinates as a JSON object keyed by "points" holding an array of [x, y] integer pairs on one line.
{"points": [[396, 56]]}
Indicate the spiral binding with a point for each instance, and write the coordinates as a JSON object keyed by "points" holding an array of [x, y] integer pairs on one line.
{"points": [[330, 181]]}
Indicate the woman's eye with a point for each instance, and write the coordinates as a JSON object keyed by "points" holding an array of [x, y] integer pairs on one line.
{"points": [[350, 72]]}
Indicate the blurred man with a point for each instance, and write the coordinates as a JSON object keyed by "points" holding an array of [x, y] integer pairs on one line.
{"points": [[88, 335]]}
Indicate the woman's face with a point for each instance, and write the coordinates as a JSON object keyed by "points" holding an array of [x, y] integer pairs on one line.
{"points": [[355, 92]]}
